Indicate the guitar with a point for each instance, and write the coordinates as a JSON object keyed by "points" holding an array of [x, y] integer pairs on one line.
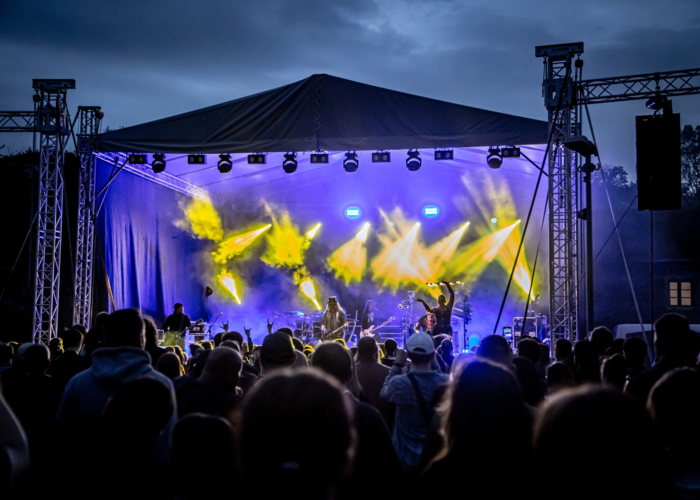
{"points": [[371, 329], [330, 335]]}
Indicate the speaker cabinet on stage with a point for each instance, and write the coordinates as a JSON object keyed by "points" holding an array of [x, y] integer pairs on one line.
{"points": [[659, 162], [531, 326]]}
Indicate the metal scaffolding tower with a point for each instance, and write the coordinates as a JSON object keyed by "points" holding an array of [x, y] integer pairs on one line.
{"points": [[53, 125], [89, 118], [564, 181]]}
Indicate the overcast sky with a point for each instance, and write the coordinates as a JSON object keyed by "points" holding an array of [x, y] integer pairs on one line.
{"points": [[143, 60]]}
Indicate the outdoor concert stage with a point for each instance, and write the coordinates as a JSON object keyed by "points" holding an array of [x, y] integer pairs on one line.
{"points": [[276, 245]]}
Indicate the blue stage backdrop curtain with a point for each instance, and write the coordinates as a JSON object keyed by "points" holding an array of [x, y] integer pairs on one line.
{"points": [[150, 262]]}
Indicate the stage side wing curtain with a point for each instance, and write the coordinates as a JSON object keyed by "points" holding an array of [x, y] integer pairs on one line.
{"points": [[324, 112], [151, 263]]}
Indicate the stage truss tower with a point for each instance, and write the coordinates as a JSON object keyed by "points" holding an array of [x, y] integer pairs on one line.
{"points": [[562, 74], [89, 118], [53, 124]]}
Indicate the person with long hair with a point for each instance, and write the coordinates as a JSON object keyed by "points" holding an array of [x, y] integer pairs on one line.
{"points": [[486, 425], [333, 319]]}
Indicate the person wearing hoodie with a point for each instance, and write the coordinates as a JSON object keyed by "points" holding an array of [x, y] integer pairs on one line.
{"points": [[124, 359]]}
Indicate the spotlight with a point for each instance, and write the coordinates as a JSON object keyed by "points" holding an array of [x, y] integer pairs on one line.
{"points": [[413, 162], [225, 164], [158, 163], [493, 220], [290, 163], [319, 158], [494, 158], [444, 154], [257, 159], [196, 159], [381, 157], [350, 163], [137, 159], [431, 211]]}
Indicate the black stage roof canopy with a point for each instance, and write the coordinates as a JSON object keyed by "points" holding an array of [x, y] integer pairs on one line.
{"points": [[324, 112]]}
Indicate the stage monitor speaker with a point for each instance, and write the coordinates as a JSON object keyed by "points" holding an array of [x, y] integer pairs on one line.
{"points": [[659, 162]]}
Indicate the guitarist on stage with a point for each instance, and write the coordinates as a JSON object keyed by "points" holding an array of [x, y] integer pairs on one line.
{"points": [[333, 320], [368, 318]]}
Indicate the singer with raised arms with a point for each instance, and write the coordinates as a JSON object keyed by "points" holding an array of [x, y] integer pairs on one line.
{"points": [[443, 312]]}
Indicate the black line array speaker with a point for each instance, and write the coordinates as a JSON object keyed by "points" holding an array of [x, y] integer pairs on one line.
{"points": [[659, 162]]}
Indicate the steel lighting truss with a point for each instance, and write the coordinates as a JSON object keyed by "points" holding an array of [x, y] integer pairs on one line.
{"points": [[565, 94], [89, 118]]}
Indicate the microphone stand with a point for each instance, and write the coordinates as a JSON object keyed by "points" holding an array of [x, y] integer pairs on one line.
{"points": [[212, 325]]}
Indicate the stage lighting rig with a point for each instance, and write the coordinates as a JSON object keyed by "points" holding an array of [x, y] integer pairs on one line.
{"points": [[444, 154], [290, 163], [350, 163], [381, 157], [413, 161], [511, 152], [319, 158], [257, 159], [225, 164], [196, 159], [138, 159], [494, 158], [158, 163]]}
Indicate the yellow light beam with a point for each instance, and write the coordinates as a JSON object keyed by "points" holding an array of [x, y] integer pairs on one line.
{"points": [[201, 218], [312, 232], [349, 261], [235, 245], [230, 285], [506, 256], [308, 289], [394, 264], [472, 261], [285, 245]]}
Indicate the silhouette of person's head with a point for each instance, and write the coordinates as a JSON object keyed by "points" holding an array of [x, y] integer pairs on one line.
{"points": [[532, 385], [278, 410], [635, 351], [562, 349], [197, 436], [72, 339], [169, 365], [125, 328], [529, 348], [6, 353], [559, 376], [390, 346], [140, 410], [37, 359], [223, 368], [237, 337], [335, 360], [670, 334], [587, 362], [277, 351], [602, 339], [150, 332], [673, 405], [593, 425], [367, 350], [613, 372], [495, 348]]}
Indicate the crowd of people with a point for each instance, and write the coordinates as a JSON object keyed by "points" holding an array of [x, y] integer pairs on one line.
{"points": [[108, 413]]}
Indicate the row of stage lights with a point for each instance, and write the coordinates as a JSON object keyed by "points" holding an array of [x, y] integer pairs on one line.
{"points": [[351, 163]]}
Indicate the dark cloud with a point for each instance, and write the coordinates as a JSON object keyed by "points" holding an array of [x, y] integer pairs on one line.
{"points": [[143, 60]]}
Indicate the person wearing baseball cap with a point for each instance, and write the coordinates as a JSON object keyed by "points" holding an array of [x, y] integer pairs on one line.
{"points": [[412, 392], [277, 352]]}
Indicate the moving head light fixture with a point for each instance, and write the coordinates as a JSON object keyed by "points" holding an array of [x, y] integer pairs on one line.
{"points": [[225, 164], [158, 163], [494, 158], [413, 160], [290, 163], [257, 159], [350, 163]]}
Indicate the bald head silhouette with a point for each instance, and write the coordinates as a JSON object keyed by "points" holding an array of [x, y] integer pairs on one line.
{"points": [[223, 368]]}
